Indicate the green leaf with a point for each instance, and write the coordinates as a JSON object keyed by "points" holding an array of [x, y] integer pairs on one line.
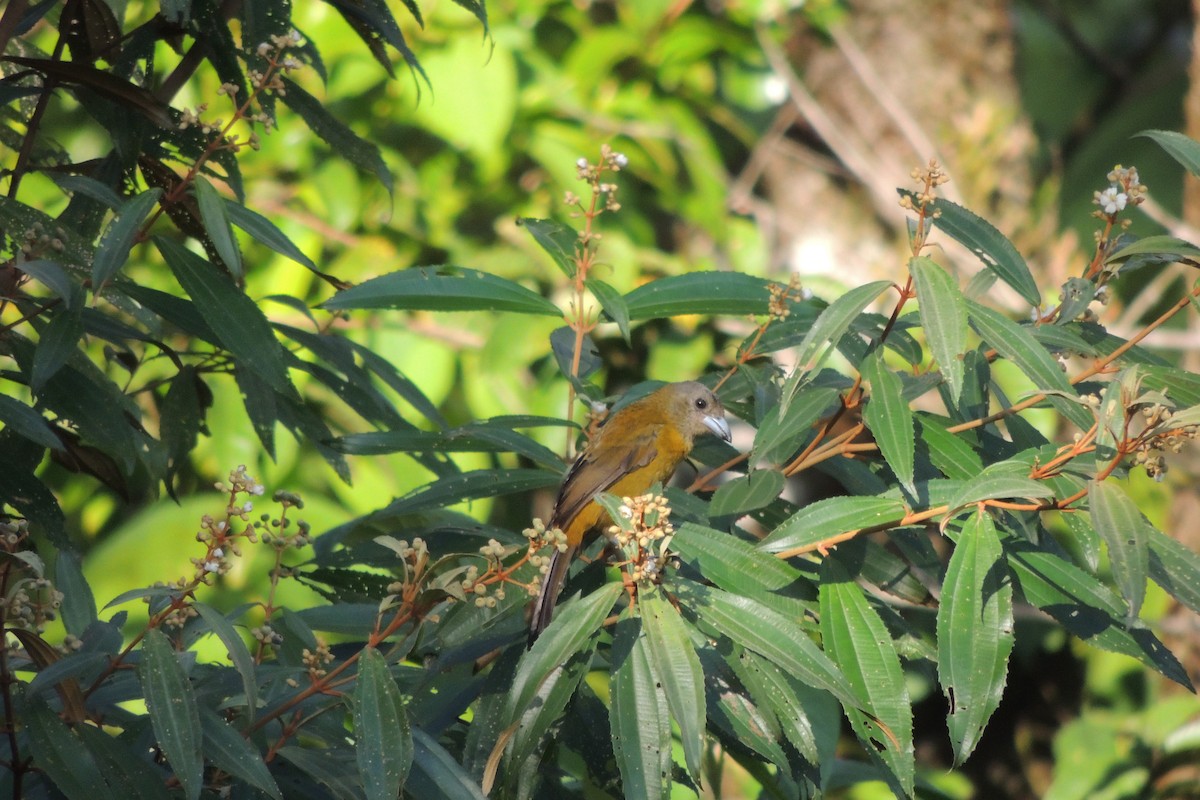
{"points": [[470, 486], [856, 638], [233, 317], [1124, 531], [750, 492], [78, 603], [944, 318], [1087, 608], [1162, 247], [782, 430], [383, 740], [974, 632], [57, 751], [58, 342], [613, 304], [239, 654], [558, 240], [230, 752], [827, 518], [641, 722], [1017, 344], [736, 565], [675, 662], [118, 238], [1004, 479], [51, 275], [216, 225], [699, 293], [265, 232], [1178, 146], [173, 711], [1176, 568], [890, 419], [136, 777], [444, 288], [340, 138], [949, 452], [436, 774], [574, 623], [768, 633], [26, 422], [991, 247], [825, 333]]}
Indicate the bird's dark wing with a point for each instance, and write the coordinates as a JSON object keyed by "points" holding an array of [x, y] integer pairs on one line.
{"points": [[597, 469]]}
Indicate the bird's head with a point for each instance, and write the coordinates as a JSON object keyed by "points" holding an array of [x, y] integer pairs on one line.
{"points": [[696, 409]]}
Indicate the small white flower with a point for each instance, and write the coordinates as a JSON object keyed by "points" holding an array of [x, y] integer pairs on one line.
{"points": [[212, 566], [1111, 200], [620, 160], [218, 553], [626, 512], [582, 163]]}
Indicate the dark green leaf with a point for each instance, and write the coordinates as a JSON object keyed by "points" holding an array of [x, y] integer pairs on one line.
{"points": [[737, 566], [118, 238], [173, 711], [1017, 344], [59, 341], [781, 433], [890, 419], [58, 753], [135, 778], [944, 318], [265, 232], [674, 659], [991, 247], [471, 486], [1178, 146], [559, 240], [216, 225], [562, 345], [1004, 479], [1176, 568], [239, 654], [51, 275], [949, 452], [699, 293], [78, 604], [236, 320], [230, 752], [1124, 531], [827, 518], [641, 722], [340, 138], [444, 288], [1160, 248], [383, 739], [613, 304], [436, 774], [747, 493], [974, 632], [23, 420], [856, 638]]}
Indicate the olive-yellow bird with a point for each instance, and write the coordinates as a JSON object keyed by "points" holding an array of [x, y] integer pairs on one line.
{"points": [[636, 447]]}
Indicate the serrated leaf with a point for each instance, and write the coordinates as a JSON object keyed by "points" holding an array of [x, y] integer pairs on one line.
{"points": [[230, 752], [750, 492], [383, 739], [1178, 146], [266, 233], [1005, 479], [675, 661], [856, 638], [974, 632], [890, 419], [943, 317], [472, 485], [57, 752], [444, 288], [613, 304], [988, 244], [1160, 248], [830, 517], [825, 333], [558, 240], [1124, 531], [641, 722], [768, 633], [238, 323], [781, 433], [341, 139], [949, 452], [173, 711], [736, 565], [573, 624], [118, 238], [1017, 344], [699, 293]]}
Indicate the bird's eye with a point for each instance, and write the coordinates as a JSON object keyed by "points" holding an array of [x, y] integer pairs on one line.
{"points": [[701, 403]]}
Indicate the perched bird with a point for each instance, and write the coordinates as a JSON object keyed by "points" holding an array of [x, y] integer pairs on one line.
{"points": [[636, 447]]}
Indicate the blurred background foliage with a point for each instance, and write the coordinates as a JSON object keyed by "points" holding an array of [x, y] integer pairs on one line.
{"points": [[717, 106]]}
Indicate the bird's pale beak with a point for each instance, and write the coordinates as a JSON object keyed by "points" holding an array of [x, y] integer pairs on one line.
{"points": [[719, 426]]}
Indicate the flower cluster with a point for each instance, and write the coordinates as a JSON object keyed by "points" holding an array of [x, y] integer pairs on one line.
{"points": [[1165, 437], [780, 296], [37, 240], [642, 529], [1125, 189], [593, 174], [316, 661], [930, 177]]}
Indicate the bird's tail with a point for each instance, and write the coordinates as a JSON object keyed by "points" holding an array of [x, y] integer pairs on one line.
{"points": [[543, 606]]}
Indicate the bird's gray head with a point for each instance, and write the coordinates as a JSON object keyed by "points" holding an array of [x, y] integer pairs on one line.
{"points": [[697, 409]]}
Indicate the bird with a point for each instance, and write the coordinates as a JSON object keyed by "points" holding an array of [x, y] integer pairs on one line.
{"points": [[639, 445]]}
